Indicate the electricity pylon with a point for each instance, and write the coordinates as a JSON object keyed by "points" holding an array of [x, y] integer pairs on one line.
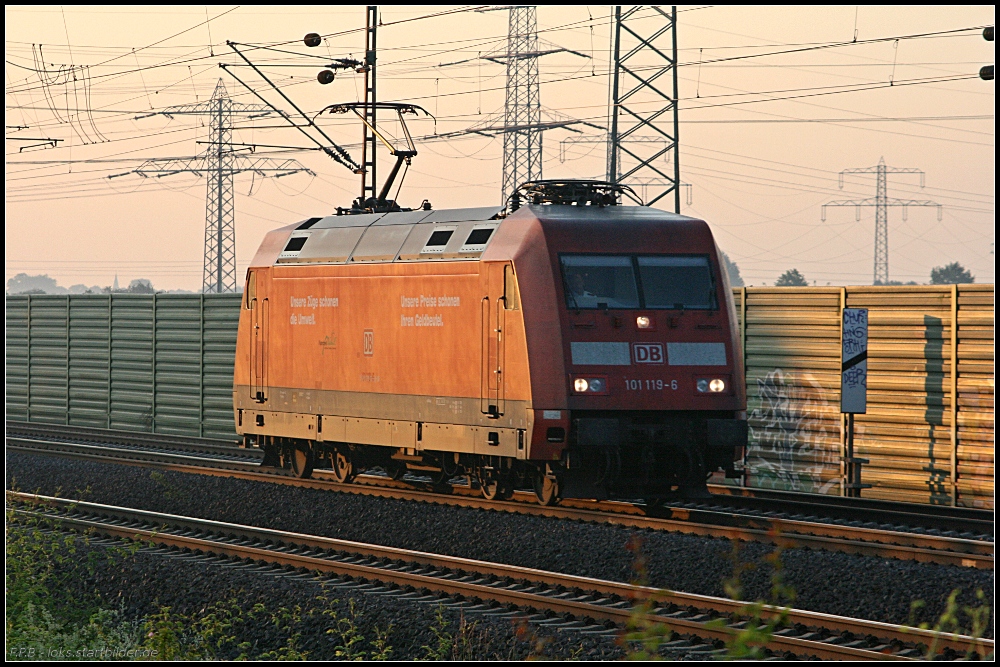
{"points": [[881, 202], [524, 118], [522, 141], [219, 163], [644, 126]]}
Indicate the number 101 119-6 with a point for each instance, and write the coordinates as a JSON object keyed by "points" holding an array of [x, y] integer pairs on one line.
{"points": [[650, 385]]}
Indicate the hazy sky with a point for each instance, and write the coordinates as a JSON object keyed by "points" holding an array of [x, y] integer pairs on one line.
{"points": [[763, 138]]}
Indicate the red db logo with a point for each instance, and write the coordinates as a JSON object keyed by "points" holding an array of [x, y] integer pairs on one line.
{"points": [[369, 342], [648, 353]]}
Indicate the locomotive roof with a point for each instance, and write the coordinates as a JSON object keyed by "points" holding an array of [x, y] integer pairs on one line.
{"points": [[447, 234]]}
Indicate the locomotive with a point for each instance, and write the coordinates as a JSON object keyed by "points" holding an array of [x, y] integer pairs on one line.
{"points": [[567, 344]]}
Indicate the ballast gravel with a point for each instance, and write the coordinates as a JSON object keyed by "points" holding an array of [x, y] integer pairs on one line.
{"points": [[829, 582], [329, 623]]}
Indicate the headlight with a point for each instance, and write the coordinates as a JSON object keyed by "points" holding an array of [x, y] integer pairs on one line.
{"points": [[711, 385], [643, 322], [590, 386]]}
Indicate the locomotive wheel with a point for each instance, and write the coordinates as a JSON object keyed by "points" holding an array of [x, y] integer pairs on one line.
{"points": [[343, 468], [546, 489], [496, 487], [301, 461], [490, 487]]}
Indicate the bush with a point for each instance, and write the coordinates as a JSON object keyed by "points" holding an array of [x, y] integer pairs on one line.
{"points": [[47, 615]]}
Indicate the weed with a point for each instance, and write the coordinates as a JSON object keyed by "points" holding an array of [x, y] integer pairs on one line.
{"points": [[949, 623], [643, 636], [46, 603], [760, 619], [170, 491], [468, 642]]}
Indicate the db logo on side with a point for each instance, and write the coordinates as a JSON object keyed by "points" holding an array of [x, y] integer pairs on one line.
{"points": [[369, 342], [648, 353]]}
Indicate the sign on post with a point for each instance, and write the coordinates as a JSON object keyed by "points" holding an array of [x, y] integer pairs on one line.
{"points": [[854, 362]]}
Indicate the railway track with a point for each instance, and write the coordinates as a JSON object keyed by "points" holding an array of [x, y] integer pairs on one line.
{"points": [[973, 549], [701, 624]]}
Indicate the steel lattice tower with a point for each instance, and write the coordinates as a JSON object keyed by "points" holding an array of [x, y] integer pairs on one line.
{"points": [[220, 164], [881, 202], [219, 274], [522, 139], [644, 127]]}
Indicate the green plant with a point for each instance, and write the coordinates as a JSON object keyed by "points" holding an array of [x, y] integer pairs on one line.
{"points": [[352, 642], [170, 491], [213, 633], [381, 650], [643, 635], [950, 622], [760, 619], [351, 639], [50, 611], [468, 642], [287, 621]]}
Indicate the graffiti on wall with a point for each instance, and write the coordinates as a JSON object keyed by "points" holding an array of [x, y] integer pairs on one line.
{"points": [[794, 435]]}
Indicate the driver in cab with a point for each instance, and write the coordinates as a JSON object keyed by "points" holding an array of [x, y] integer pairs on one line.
{"points": [[578, 292]]}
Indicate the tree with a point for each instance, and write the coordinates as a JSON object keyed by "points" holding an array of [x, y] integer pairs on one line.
{"points": [[22, 283], [953, 274], [791, 278], [733, 271], [141, 286]]}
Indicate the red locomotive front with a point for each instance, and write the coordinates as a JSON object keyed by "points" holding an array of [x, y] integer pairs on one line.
{"points": [[652, 377]]}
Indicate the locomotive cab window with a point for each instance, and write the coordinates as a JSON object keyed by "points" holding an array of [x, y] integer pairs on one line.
{"points": [[677, 282], [599, 281], [667, 282]]}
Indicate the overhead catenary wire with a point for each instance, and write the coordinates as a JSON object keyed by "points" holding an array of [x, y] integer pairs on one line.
{"points": [[482, 146]]}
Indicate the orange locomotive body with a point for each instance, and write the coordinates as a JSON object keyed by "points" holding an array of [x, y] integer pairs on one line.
{"points": [[585, 351]]}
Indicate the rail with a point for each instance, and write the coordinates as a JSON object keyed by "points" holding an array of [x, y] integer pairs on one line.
{"points": [[726, 522], [583, 603]]}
